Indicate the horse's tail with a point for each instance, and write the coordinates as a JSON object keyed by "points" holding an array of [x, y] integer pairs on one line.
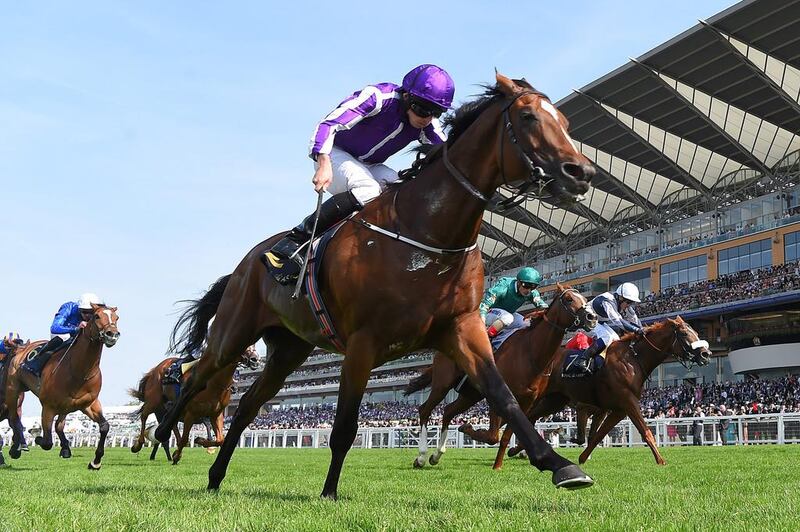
{"points": [[191, 329], [138, 393], [420, 382]]}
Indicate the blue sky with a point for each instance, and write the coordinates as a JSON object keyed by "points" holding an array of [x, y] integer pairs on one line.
{"points": [[146, 146]]}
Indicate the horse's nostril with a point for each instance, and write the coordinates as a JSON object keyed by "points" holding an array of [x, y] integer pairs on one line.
{"points": [[575, 171]]}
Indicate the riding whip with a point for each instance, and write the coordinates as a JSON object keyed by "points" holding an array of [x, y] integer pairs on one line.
{"points": [[300, 277]]}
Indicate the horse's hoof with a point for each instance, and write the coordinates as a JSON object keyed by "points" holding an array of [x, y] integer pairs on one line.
{"points": [[419, 464], [571, 477], [211, 450], [42, 443], [14, 453], [434, 459], [332, 496], [65, 453], [136, 448], [93, 466]]}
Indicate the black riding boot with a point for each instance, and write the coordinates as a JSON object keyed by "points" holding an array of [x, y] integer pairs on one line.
{"points": [[36, 365], [580, 366], [173, 373], [333, 210]]}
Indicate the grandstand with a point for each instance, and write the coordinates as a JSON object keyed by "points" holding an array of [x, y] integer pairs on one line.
{"points": [[696, 201]]}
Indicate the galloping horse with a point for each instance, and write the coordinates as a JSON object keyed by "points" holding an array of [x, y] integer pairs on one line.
{"points": [[12, 350], [616, 388], [210, 403], [401, 275], [522, 360], [71, 381]]}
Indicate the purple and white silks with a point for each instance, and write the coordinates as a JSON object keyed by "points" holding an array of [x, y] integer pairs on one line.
{"points": [[372, 125]]}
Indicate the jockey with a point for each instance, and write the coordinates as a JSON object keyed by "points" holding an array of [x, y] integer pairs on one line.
{"points": [[174, 373], [11, 338], [350, 145], [616, 316], [500, 302], [71, 317]]}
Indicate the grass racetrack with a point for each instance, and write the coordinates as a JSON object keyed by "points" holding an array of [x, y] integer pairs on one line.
{"points": [[730, 488]]}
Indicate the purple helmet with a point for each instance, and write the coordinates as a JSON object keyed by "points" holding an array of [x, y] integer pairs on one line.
{"points": [[430, 83]]}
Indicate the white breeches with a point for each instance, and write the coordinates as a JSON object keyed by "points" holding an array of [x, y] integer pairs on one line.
{"points": [[605, 333], [366, 181]]}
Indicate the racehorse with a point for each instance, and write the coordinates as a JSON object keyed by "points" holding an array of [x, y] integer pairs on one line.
{"points": [[403, 274], [12, 350], [70, 381], [615, 389], [522, 360], [208, 404]]}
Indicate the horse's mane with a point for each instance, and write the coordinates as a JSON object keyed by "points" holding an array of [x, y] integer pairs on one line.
{"points": [[651, 328], [457, 122]]}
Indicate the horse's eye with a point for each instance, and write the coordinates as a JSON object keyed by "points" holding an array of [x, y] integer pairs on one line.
{"points": [[528, 116]]}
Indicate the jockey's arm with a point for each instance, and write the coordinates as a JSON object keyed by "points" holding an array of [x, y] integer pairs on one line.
{"points": [[61, 322], [349, 113], [616, 321], [538, 302], [489, 299]]}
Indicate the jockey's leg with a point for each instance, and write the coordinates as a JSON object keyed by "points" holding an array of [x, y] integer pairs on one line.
{"points": [[498, 319], [581, 364], [468, 344]]}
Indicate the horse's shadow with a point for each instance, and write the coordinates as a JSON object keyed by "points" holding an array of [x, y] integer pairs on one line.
{"points": [[195, 493]]}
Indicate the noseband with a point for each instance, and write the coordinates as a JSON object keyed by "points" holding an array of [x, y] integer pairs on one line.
{"points": [[687, 362], [536, 174]]}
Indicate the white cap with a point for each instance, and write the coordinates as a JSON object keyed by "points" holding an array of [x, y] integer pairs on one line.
{"points": [[628, 291], [87, 299]]}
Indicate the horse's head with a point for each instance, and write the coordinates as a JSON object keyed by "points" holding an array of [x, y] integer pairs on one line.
{"points": [[103, 325], [679, 339], [571, 309], [535, 148], [250, 358]]}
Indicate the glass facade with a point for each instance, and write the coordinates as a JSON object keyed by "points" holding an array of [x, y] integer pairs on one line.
{"points": [[791, 246], [641, 278], [750, 256], [684, 271]]}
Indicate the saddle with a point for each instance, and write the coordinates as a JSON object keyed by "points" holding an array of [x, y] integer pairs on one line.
{"points": [[570, 355]]}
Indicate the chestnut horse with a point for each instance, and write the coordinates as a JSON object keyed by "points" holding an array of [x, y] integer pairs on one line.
{"points": [[70, 381], [402, 275], [210, 403], [615, 389], [521, 360], [12, 350]]}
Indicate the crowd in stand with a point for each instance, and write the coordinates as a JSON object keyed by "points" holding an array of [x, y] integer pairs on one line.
{"points": [[730, 398], [743, 285]]}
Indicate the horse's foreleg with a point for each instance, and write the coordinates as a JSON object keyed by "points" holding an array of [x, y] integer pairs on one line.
{"points": [[61, 421], [609, 423], [45, 441], [13, 402], [290, 351], [468, 344], [501, 452], [437, 395], [95, 413], [582, 419], [636, 416], [188, 422], [489, 436], [460, 405], [356, 368], [597, 420]]}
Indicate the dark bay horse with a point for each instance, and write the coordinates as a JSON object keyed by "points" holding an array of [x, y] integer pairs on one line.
{"points": [[388, 296], [70, 381], [522, 360], [13, 349], [210, 403], [615, 389]]}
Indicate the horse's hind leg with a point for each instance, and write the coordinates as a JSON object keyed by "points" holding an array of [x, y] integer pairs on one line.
{"points": [[2, 460], [188, 422], [143, 419], [357, 365], [583, 418], [460, 405], [13, 402], [438, 393], [609, 423], [290, 351], [468, 344], [66, 452], [501, 451], [95, 413], [45, 441]]}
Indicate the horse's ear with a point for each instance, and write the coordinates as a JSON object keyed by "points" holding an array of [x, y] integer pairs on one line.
{"points": [[113, 309], [505, 85], [94, 307]]}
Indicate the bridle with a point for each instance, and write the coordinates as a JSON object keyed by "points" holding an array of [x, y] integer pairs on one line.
{"points": [[576, 315], [536, 173], [686, 361]]}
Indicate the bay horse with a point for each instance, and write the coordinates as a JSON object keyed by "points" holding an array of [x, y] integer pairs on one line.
{"points": [[613, 391], [401, 275], [210, 403], [521, 360], [70, 381], [12, 350]]}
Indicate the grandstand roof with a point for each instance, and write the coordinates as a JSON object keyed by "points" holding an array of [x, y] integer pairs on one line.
{"points": [[699, 121]]}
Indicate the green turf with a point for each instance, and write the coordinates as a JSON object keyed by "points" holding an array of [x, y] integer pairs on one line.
{"points": [[731, 488]]}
